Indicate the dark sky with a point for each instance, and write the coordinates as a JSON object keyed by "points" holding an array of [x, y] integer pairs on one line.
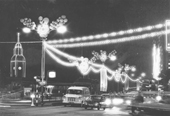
{"points": [[85, 17]]}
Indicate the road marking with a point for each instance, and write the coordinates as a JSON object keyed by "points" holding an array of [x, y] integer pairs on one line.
{"points": [[4, 106]]}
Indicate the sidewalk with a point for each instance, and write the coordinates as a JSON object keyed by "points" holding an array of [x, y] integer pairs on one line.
{"points": [[27, 102]]}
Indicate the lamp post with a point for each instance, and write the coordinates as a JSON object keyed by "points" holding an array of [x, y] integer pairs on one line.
{"points": [[103, 56], [43, 29]]}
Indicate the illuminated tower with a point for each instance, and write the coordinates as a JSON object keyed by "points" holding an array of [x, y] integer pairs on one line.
{"points": [[18, 62]]}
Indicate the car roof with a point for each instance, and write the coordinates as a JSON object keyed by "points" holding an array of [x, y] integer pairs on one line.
{"points": [[77, 87], [96, 95]]}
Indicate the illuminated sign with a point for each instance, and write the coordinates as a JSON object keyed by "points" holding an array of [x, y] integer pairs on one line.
{"points": [[168, 35]]}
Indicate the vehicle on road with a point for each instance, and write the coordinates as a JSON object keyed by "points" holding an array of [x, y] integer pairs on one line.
{"points": [[96, 101], [153, 102], [76, 95]]}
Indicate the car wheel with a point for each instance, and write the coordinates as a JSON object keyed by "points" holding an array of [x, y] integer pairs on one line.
{"points": [[65, 105], [85, 107], [98, 107], [82, 103], [104, 108]]}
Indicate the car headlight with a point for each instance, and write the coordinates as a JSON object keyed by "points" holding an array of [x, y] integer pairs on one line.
{"points": [[107, 101], [128, 102], [96, 104], [117, 101], [158, 98]]}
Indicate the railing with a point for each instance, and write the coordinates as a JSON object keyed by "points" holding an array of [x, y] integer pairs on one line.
{"points": [[16, 95]]}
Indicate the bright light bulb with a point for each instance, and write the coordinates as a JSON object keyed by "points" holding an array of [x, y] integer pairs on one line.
{"points": [[112, 58], [143, 74], [61, 29], [26, 30], [133, 69]]}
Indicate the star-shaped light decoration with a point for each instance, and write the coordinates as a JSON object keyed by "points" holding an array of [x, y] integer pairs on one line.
{"points": [[103, 56], [44, 28]]}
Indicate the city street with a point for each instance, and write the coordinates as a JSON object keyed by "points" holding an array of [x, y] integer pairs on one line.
{"points": [[63, 111]]}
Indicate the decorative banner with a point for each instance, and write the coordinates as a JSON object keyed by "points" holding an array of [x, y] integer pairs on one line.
{"points": [[103, 79], [167, 35], [156, 61], [126, 85]]}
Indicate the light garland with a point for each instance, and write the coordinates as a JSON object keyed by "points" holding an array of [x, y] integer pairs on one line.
{"points": [[90, 66], [61, 53], [106, 35], [110, 41]]}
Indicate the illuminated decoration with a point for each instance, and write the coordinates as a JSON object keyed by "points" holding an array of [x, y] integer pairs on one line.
{"points": [[126, 85], [18, 61], [156, 62], [103, 79], [167, 35], [106, 35], [103, 72], [103, 56], [44, 28], [79, 62], [110, 41]]}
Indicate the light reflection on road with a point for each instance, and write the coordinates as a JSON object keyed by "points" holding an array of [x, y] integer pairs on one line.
{"points": [[115, 110]]}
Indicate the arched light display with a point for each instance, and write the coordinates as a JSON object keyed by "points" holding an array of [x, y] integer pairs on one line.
{"points": [[119, 76]]}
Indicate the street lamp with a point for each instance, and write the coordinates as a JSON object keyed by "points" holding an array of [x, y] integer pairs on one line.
{"points": [[43, 29]]}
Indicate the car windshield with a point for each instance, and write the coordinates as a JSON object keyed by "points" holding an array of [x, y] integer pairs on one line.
{"points": [[96, 97], [74, 91]]}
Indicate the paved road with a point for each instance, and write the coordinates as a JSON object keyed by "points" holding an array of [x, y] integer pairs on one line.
{"points": [[62, 111]]}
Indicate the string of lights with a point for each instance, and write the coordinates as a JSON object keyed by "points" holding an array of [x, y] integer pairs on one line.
{"points": [[111, 41], [60, 52], [24, 42], [85, 66], [106, 35]]}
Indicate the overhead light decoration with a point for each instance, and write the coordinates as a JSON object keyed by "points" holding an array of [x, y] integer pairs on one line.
{"points": [[106, 35], [108, 41], [103, 56], [44, 28], [85, 66]]}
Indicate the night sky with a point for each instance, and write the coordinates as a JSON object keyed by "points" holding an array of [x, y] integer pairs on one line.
{"points": [[85, 17]]}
